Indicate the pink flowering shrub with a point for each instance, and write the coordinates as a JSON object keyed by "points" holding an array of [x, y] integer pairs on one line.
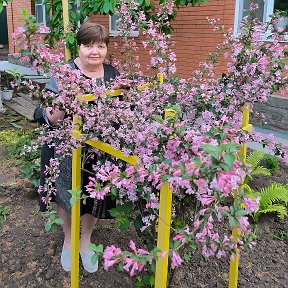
{"points": [[196, 152]]}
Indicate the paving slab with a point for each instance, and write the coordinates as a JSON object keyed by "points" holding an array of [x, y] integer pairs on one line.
{"points": [[24, 71], [24, 111], [279, 138]]}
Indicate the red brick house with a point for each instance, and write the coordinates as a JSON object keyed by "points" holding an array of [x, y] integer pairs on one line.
{"points": [[193, 35]]}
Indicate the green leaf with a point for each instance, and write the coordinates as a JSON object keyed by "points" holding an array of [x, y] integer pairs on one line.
{"points": [[138, 223], [71, 40], [48, 226], [168, 161], [114, 212], [92, 246], [166, 178], [210, 149], [229, 146], [59, 221], [94, 259], [241, 212], [16, 125], [225, 167], [229, 160], [73, 201], [186, 257], [123, 223], [233, 221], [127, 208], [99, 249], [106, 7], [114, 191]]}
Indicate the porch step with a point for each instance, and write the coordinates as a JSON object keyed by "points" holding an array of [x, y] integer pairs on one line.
{"points": [[22, 104]]}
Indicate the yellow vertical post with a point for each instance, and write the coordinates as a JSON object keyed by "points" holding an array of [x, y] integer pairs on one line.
{"points": [[163, 236], [76, 181], [234, 262], [75, 217], [165, 208], [65, 25]]}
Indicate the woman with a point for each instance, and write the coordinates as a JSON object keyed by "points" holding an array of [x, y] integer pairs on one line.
{"points": [[92, 40]]}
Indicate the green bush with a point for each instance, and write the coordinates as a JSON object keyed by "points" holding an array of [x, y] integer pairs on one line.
{"points": [[272, 163], [15, 140]]}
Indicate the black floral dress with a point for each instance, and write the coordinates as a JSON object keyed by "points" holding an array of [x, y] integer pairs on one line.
{"points": [[97, 208]]}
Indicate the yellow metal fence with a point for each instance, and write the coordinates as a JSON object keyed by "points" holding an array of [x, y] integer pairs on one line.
{"points": [[165, 206]]}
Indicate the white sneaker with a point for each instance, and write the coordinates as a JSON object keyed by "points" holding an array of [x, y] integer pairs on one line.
{"points": [[66, 259], [86, 257]]}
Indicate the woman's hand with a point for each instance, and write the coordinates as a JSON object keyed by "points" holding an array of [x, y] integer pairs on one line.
{"points": [[123, 85], [54, 115]]}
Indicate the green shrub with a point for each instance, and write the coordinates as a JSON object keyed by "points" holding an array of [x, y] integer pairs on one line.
{"points": [[15, 140], [272, 163]]}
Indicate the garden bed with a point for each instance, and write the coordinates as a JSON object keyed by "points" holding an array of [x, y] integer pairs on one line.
{"points": [[30, 257]]}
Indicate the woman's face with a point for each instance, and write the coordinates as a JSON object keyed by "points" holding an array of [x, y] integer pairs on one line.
{"points": [[92, 54]]}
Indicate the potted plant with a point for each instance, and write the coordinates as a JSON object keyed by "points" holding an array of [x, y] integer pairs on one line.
{"points": [[7, 89]]}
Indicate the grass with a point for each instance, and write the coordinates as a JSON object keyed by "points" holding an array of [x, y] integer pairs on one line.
{"points": [[16, 132]]}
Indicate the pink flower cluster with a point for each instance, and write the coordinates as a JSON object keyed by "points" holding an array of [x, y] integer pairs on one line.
{"points": [[132, 261], [195, 152]]}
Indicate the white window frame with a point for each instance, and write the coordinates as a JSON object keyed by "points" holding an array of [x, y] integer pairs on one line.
{"points": [[44, 14], [268, 10], [113, 32]]}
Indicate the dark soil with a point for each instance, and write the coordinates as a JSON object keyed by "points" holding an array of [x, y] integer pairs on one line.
{"points": [[30, 257]]}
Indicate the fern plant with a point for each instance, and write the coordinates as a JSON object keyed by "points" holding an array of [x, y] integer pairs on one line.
{"points": [[254, 159], [273, 199]]}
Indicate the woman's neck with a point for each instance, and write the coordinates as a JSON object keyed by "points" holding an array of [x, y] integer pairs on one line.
{"points": [[90, 71]]}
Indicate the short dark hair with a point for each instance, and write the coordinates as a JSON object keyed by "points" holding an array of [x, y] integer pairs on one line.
{"points": [[91, 32]]}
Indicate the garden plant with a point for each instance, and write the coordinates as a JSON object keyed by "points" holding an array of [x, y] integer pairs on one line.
{"points": [[195, 152]]}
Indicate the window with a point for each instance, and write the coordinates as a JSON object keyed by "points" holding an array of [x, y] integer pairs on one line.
{"points": [[266, 8], [113, 26], [41, 13]]}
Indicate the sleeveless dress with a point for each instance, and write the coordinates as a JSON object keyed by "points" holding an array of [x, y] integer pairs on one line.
{"points": [[94, 207]]}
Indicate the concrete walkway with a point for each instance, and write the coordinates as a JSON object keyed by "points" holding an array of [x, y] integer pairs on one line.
{"points": [[280, 138]]}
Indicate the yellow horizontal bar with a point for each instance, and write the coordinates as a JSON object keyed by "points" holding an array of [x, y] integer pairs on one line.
{"points": [[86, 97], [113, 93], [112, 151], [144, 86], [91, 97]]}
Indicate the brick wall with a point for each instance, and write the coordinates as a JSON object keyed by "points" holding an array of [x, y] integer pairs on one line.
{"points": [[13, 16], [194, 37]]}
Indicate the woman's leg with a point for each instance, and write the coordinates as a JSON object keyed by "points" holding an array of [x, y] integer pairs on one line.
{"points": [[87, 225], [66, 226]]}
